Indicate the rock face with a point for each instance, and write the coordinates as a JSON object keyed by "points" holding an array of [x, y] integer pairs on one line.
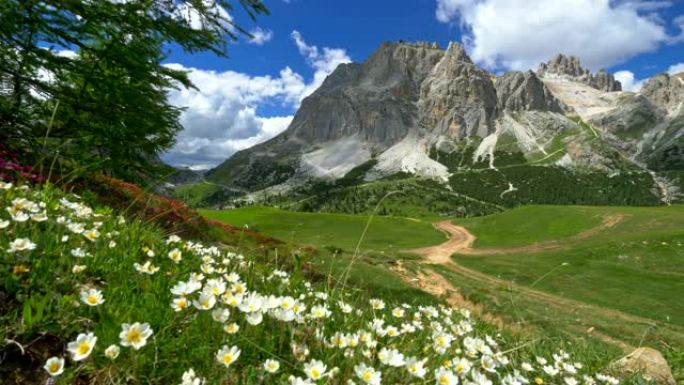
{"points": [[524, 91], [633, 113], [605, 82], [458, 98], [647, 362], [666, 91], [375, 100], [650, 124], [571, 68]]}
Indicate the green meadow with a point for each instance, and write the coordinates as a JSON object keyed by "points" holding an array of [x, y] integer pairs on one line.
{"points": [[634, 265], [387, 235]]}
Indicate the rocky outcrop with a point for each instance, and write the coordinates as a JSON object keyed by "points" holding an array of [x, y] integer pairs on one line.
{"points": [[524, 91], [570, 67], [632, 115], [665, 91], [458, 99], [648, 363], [605, 81], [565, 65]]}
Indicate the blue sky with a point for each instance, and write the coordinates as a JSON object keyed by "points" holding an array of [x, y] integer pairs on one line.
{"points": [[252, 95]]}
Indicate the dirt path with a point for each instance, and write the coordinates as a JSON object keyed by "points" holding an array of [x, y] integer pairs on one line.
{"points": [[435, 284], [460, 241]]}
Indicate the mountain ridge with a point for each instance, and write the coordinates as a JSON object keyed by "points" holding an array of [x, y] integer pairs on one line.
{"points": [[407, 99]]}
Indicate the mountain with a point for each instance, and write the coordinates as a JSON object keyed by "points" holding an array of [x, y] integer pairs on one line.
{"points": [[415, 110]]}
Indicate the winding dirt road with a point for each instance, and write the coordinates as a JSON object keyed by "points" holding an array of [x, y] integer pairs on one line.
{"points": [[460, 241]]}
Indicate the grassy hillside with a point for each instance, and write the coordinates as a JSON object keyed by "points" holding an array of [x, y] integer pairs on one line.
{"points": [[631, 267], [644, 249], [634, 266], [195, 194], [530, 224], [96, 298], [385, 234]]}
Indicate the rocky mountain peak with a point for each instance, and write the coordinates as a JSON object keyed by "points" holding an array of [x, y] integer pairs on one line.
{"points": [[524, 91], [458, 98], [457, 52], [564, 65], [570, 67]]}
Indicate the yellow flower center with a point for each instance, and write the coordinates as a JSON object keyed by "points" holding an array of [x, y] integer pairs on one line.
{"points": [[367, 375], [227, 358], [443, 380], [460, 367], [83, 348], [182, 304], [315, 374], [92, 299], [538, 381], [134, 336], [54, 367]]}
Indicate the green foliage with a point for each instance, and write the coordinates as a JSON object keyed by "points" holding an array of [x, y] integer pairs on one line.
{"points": [[250, 174], [556, 185], [404, 196], [196, 194], [84, 84]]}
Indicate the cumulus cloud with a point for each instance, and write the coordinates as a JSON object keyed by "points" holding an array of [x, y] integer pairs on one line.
{"points": [[519, 34], [222, 114], [260, 36], [676, 68], [322, 61], [629, 81]]}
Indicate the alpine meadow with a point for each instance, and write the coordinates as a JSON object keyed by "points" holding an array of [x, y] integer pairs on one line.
{"points": [[308, 192]]}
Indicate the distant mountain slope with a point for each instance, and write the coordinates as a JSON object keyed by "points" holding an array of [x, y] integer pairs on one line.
{"points": [[415, 108]]}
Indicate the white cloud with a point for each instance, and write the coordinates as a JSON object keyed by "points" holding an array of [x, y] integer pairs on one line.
{"points": [[222, 114], [629, 81], [676, 68], [519, 34], [322, 61], [260, 36]]}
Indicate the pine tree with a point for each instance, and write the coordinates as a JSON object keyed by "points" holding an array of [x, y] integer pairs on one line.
{"points": [[96, 67]]}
